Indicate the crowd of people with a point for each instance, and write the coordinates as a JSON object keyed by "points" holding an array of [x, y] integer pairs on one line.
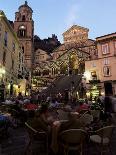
{"points": [[44, 112]]}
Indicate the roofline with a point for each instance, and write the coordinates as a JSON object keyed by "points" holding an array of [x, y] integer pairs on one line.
{"points": [[76, 26], [106, 35], [71, 49]]}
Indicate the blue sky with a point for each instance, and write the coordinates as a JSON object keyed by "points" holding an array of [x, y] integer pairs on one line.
{"points": [[56, 16]]}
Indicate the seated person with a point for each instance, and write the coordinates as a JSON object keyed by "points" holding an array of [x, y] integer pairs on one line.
{"points": [[82, 107], [40, 122], [72, 123]]}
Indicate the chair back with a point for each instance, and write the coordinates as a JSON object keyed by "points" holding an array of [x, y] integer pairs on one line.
{"points": [[34, 134], [73, 136], [106, 131], [39, 136]]}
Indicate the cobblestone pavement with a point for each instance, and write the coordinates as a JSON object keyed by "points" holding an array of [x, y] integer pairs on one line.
{"points": [[18, 139]]}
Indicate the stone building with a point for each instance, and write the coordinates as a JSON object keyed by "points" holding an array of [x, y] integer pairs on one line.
{"points": [[76, 37], [24, 27]]}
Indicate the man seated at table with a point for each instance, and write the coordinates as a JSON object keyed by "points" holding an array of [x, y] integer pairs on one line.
{"points": [[40, 122]]}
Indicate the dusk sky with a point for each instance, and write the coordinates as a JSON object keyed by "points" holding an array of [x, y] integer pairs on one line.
{"points": [[56, 16]]}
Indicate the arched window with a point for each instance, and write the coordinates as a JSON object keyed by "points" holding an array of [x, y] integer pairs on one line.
{"points": [[22, 31]]}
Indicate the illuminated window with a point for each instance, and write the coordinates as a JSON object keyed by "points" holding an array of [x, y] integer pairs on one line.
{"points": [[106, 71], [105, 49]]}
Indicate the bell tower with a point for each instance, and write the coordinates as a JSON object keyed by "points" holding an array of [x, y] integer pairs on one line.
{"points": [[24, 27]]}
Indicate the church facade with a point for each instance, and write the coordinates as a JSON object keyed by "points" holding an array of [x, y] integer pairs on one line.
{"points": [[69, 57]]}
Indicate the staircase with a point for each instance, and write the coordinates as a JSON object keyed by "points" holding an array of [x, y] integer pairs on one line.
{"points": [[65, 82]]}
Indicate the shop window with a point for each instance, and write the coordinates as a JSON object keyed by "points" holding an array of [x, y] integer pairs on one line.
{"points": [[105, 49], [106, 71]]}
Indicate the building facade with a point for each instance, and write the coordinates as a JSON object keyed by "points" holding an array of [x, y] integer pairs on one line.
{"points": [[9, 57], [100, 72]]}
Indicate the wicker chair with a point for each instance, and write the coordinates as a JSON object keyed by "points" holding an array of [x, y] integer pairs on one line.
{"points": [[102, 138], [72, 139], [40, 136]]}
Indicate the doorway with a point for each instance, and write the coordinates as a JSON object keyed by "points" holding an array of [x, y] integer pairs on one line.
{"points": [[108, 88]]}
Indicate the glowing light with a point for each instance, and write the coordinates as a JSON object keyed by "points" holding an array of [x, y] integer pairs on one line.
{"points": [[102, 93], [88, 94], [87, 75], [8, 86]]}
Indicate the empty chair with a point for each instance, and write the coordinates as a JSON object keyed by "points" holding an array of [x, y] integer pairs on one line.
{"points": [[72, 139], [40, 136], [102, 138]]}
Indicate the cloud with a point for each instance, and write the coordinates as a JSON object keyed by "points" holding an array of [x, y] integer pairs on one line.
{"points": [[73, 15]]}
